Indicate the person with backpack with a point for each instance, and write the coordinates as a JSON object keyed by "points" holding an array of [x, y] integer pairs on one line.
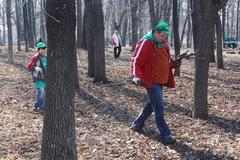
{"points": [[151, 67], [38, 67], [117, 44]]}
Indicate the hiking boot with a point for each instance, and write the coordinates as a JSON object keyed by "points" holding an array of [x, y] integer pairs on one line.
{"points": [[168, 140], [137, 129]]}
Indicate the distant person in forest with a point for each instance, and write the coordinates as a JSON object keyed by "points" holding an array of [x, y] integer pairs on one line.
{"points": [[151, 67], [38, 66], [233, 43], [117, 44]]}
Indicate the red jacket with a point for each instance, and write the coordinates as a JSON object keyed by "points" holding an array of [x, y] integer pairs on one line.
{"points": [[143, 61]]}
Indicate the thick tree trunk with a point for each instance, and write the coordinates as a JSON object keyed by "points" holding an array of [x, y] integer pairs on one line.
{"points": [[58, 140], [9, 27], [219, 42], [18, 25], [89, 24], [79, 23], [134, 6], [176, 33], [152, 13], [25, 22], [99, 74], [202, 41], [95, 40]]}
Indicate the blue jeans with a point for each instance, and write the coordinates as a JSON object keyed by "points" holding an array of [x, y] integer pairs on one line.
{"points": [[154, 105], [40, 98]]}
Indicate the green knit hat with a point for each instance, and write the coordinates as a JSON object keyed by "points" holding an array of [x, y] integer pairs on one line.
{"points": [[163, 27]]}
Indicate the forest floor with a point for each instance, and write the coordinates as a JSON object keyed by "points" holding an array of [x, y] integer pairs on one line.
{"points": [[104, 113]]}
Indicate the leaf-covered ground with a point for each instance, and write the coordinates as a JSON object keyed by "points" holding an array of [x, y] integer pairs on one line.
{"points": [[104, 113]]}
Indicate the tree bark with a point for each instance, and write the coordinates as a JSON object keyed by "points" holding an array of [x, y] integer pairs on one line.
{"points": [[237, 28], [152, 13], [189, 40], [18, 25], [95, 40], [203, 18], [201, 38], [4, 23], [31, 23], [84, 34], [42, 26], [9, 27], [223, 25], [89, 24], [124, 33], [176, 33], [219, 42], [134, 6], [79, 23], [100, 74], [25, 22], [58, 138]]}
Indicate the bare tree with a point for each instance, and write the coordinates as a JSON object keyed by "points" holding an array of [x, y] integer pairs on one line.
{"points": [[152, 13], [79, 23], [9, 27], [18, 25], [134, 6], [25, 22], [219, 41], [176, 33], [203, 18], [58, 138], [95, 40]]}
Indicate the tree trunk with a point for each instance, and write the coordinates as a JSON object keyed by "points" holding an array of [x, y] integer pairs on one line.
{"points": [[219, 42], [212, 53], [134, 6], [79, 23], [124, 33], [237, 28], [4, 23], [31, 23], [84, 34], [152, 13], [189, 41], [58, 140], [140, 18], [18, 25], [25, 22], [89, 26], [99, 74], [223, 25], [9, 27], [201, 39], [176, 33], [42, 26]]}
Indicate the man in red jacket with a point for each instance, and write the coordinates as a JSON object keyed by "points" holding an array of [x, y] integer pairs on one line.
{"points": [[151, 66]]}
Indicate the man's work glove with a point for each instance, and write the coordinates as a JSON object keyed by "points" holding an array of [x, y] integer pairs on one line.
{"points": [[38, 69]]}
